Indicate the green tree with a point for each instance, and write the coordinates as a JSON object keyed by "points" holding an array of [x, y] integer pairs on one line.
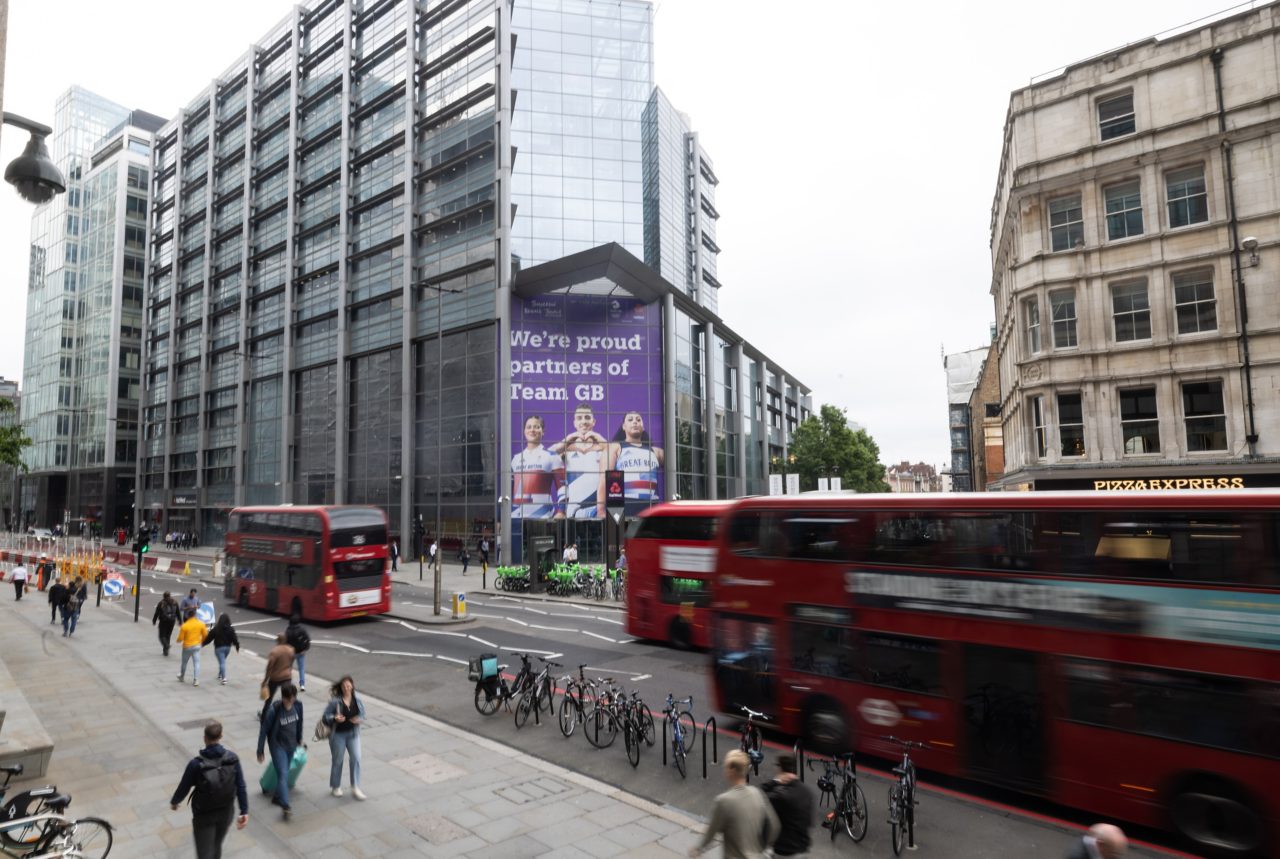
{"points": [[824, 446], [13, 440]]}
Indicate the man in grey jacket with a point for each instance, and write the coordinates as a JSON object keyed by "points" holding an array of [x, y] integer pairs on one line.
{"points": [[742, 815]]}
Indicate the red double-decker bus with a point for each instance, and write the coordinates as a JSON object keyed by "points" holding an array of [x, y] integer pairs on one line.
{"points": [[671, 558], [1114, 652], [324, 563]]}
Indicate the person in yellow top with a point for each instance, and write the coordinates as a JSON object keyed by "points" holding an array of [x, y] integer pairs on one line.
{"points": [[191, 638]]}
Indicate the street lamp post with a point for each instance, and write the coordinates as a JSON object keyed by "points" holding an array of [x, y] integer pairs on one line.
{"points": [[440, 290]]}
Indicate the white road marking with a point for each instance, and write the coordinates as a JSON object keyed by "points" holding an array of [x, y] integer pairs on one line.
{"points": [[640, 677], [610, 672], [482, 641], [451, 659], [401, 653], [597, 635], [353, 647], [534, 610], [513, 620], [552, 628], [264, 620]]}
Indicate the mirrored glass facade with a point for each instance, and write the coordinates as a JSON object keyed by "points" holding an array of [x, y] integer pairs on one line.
{"points": [[584, 72]]}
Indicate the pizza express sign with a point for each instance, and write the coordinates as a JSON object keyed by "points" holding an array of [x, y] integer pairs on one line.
{"points": [[1171, 483], [1181, 482]]}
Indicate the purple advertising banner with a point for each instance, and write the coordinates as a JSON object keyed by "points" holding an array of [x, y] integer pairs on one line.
{"points": [[586, 396]]}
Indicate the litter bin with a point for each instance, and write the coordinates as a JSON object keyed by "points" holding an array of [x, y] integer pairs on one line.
{"points": [[459, 605]]}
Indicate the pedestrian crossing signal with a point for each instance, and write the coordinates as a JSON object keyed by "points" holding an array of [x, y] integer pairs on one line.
{"points": [[143, 544]]}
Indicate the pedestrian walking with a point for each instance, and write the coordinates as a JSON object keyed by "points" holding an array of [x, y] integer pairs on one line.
{"points": [[215, 781], [432, 552], [395, 556], [741, 815], [793, 803], [165, 615], [57, 596], [281, 732], [1102, 841], [279, 671], [483, 549], [190, 603], [191, 636], [465, 557], [71, 609], [621, 566], [296, 635], [223, 637], [19, 576], [345, 714]]}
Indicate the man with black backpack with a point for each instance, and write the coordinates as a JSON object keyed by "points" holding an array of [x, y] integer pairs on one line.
{"points": [[215, 781], [297, 637], [166, 614]]}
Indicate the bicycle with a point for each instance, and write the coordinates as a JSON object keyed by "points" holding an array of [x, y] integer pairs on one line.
{"points": [[902, 796], [60, 836], [579, 697], [634, 717], [494, 692], [29, 803], [602, 723], [750, 741], [689, 725], [677, 736], [542, 689], [840, 785]]}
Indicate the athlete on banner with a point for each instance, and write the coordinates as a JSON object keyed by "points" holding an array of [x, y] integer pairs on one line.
{"points": [[584, 451], [535, 474], [633, 453]]}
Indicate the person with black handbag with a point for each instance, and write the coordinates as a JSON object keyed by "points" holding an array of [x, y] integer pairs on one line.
{"points": [[343, 717]]}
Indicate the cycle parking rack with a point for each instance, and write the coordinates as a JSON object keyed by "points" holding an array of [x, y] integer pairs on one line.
{"points": [[797, 752], [709, 730]]}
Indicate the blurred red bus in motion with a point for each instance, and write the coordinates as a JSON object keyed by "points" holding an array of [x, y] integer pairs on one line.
{"points": [[671, 557], [1114, 651], [324, 563]]}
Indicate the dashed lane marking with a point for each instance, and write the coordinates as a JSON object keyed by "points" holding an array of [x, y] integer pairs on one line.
{"points": [[601, 637]]}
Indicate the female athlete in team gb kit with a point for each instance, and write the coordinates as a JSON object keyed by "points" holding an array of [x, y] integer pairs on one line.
{"points": [[535, 472]]}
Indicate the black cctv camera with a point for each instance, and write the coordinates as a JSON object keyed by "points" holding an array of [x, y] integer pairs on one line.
{"points": [[33, 172]]}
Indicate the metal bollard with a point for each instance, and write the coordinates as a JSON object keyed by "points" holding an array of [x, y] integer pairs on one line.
{"points": [[709, 730], [798, 754], [664, 740]]}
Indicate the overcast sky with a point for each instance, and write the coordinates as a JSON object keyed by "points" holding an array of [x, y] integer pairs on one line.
{"points": [[856, 146]]}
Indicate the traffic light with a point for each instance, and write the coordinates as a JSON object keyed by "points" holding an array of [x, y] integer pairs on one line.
{"points": [[418, 533], [143, 543]]}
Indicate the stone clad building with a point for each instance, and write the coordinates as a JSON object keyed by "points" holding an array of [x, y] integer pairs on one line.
{"points": [[1134, 265]]}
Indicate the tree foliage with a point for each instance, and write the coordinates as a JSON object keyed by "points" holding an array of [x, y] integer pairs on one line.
{"points": [[824, 446], [13, 440]]}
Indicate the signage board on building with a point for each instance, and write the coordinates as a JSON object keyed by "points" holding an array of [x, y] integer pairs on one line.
{"points": [[586, 398], [184, 499], [614, 495], [1176, 481]]}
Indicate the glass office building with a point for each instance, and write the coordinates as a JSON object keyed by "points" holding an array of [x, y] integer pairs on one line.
{"points": [[353, 224], [84, 319]]}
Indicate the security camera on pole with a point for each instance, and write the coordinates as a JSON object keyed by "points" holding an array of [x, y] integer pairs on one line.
{"points": [[33, 172]]}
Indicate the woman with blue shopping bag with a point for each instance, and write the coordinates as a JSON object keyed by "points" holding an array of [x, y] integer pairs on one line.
{"points": [[281, 732], [344, 716]]}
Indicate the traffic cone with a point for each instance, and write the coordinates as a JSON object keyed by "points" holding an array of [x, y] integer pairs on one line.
{"points": [[186, 568]]}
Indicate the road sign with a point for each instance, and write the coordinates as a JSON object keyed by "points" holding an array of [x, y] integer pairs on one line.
{"points": [[113, 588], [205, 613]]}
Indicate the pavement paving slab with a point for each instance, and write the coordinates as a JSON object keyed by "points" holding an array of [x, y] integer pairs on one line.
{"points": [[124, 728]]}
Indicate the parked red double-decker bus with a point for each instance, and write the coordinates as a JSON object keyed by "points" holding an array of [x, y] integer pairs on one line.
{"points": [[324, 563], [1114, 652], [671, 557]]}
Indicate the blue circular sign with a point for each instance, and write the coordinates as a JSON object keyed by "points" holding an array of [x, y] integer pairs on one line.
{"points": [[205, 613], [113, 588]]}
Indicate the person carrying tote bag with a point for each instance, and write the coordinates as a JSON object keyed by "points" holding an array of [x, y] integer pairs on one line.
{"points": [[342, 720]]}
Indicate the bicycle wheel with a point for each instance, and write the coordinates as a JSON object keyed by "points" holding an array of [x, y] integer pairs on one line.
{"points": [[896, 823], [524, 707], [854, 806], [487, 705], [689, 728], [632, 737], [568, 713], [87, 838], [601, 728], [677, 751], [648, 729]]}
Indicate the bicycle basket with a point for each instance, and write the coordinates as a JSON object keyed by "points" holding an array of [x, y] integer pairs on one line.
{"points": [[482, 667]]}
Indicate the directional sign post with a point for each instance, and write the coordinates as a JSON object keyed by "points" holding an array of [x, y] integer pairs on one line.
{"points": [[113, 589], [205, 613]]}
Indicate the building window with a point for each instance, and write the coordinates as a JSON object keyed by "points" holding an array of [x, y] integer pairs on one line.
{"points": [[1188, 200], [1193, 297], [1063, 305], [1115, 116], [1071, 424], [1039, 427], [1031, 312], [1124, 210], [1066, 222], [1131, 311], [1206, 419], [1139, 421]]}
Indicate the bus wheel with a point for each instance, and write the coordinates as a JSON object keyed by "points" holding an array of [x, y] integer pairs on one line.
{"points": [[680, 634], [825, 729], [295, 608], [243, 600], [1216, 818]]}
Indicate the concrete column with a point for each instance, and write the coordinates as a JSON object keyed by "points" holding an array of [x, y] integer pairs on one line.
{"points": [[669, 391], [408, 390], [502, 295], [711, 359], [744, 415]]}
